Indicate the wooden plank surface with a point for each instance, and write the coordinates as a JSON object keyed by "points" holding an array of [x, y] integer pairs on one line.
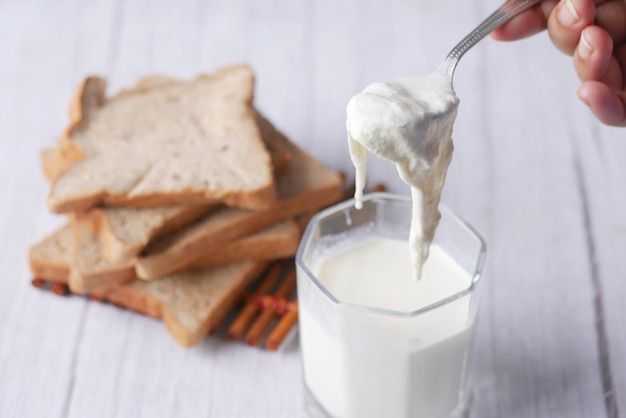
{"points": [[533, 172], [602, 176]]}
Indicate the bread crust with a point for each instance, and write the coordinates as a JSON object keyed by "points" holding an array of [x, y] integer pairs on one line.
{"points": [[51, 257]]}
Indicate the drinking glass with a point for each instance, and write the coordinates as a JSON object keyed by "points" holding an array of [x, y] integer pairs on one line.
{"points": [[368, 362]]}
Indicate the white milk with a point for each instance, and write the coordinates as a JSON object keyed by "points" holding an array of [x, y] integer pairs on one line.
{"points": [[360, 364]]}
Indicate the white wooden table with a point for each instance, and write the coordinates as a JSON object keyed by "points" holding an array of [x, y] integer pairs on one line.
{"points": [[533, 171]]}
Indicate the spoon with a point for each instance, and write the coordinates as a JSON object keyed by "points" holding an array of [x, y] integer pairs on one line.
{"points": [[422, 111], [505, 12]]}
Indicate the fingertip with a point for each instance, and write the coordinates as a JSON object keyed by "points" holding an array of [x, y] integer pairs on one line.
{"points": [[606, 104], [597, 39], [593, 57], [499, 33], [567, 21]]}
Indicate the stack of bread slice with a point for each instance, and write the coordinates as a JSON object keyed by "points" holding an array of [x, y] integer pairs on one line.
{"points": [[177, 195]]}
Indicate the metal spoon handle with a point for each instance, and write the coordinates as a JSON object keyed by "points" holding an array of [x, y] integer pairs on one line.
{"points": [[505, 12]]}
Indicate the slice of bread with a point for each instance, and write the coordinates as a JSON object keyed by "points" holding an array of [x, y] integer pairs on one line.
{"points": [[306, 185], [191, 304], [161, 144], [89, 271]]}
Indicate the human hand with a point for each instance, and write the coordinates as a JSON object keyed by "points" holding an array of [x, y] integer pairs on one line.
{"points": [[594, 32]]}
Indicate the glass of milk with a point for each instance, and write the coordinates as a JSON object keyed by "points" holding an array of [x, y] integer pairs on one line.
{"points": [[375, 341]]}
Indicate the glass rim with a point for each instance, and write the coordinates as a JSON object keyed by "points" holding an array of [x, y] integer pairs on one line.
{"points": [[478, 268]]}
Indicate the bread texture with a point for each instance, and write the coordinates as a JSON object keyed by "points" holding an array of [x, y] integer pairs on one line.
{"points": [[89, 270], [162, 143], [51, 258], [125, 232], [306, 185], [279, 240], [191, 304]]}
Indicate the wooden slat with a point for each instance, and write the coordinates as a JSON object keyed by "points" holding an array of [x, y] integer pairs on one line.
{"points": [[602, 179], [40, 333]]}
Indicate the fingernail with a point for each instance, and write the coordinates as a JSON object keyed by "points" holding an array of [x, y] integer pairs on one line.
{"points": [[567, 14], [584, 47]]}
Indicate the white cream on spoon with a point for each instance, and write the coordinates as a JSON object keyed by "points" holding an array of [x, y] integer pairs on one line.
{"points": [[407, 121]]}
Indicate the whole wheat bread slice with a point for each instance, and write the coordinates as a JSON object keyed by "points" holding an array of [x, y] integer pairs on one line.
{"points": [[186, 142], [191, 304], [306, 185], [92, 272]]}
